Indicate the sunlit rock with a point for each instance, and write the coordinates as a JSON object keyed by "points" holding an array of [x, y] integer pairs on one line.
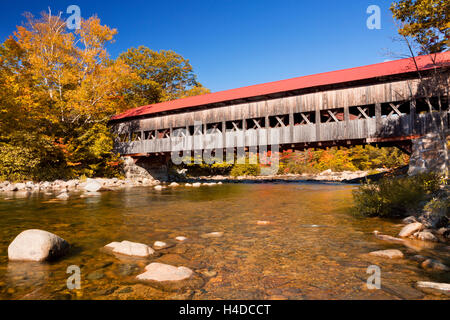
{"points": [[212, 235], [92, 186], [443, 287], [159, 245], [181, 238], [410, 229], [196, 184], [37, 245], [387, 238], [390, 253], [173, 184], [130, 248], [163, 272]]}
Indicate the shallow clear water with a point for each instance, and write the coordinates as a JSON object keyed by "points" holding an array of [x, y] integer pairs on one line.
{"points": [[314, 247]]}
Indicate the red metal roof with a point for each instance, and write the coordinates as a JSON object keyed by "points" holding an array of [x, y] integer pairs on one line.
{"points": [[328, 78]]}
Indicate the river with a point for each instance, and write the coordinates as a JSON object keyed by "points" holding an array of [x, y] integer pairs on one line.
{"points": [[313, 248]]}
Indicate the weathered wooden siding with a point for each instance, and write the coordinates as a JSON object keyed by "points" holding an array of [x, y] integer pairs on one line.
{"points": [[333, 99], [273, 121]]}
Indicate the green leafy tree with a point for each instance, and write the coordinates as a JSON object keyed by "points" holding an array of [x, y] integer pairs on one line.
{"points": [[163, 75]]}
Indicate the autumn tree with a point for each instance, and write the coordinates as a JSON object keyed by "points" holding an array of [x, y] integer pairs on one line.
{"points": [[58, 84], [427, 22], [163, 75]]}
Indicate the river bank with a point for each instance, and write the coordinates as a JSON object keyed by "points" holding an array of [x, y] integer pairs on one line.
{"points": [[116, 183]]}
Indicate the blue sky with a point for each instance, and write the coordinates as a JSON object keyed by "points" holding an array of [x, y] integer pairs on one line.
{"points": [[235, 43]]}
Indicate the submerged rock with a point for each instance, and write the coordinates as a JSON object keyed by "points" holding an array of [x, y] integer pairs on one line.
{"points": [[391, 253], [163, 272], [37, 245], [63, 196], [212, 235], [387, 238], [410, 229], [435, 265], [130, 248], [173, 184], [181, 238], [263, 223]]}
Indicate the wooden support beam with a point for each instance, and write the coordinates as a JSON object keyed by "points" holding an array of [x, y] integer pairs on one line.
{"points": [[363, 112], [305, 118], [395, 108], [333, 116], [280, 121], [378, 117]]}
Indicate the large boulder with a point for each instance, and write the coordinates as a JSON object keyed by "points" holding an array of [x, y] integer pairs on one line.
{"points": [[410, 229], [92, 185], [163, 272], [130, 248], [37, 245]]}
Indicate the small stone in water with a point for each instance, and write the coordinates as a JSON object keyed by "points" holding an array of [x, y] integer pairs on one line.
{"points": [[212, 235], [434, 285], [181, 238], [391, 253], [159, 244], [96, 275], [163, 272], [263, 223], [63, 196]]}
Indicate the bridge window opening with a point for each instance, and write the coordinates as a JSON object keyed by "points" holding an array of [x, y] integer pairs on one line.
{"points": [[136, 136], [179, 132], [164, 133], [257, 123], [214, 127], [333, 115], [279, 121], [362, 112], [196, 130], [304, 118], [234, 125], [394, 109], [149, 135]]}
